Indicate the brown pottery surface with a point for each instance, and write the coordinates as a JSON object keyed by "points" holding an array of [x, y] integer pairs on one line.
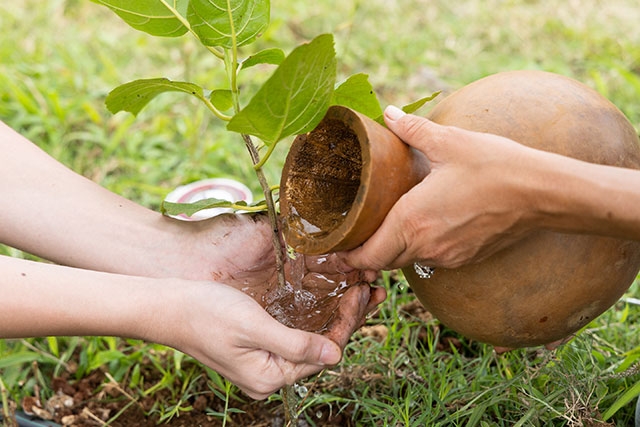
{"points": [[548, 285]]}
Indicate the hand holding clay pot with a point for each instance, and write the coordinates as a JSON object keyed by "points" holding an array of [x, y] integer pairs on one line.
{"points": [[471, 204], [530, 218], [508, 191]]}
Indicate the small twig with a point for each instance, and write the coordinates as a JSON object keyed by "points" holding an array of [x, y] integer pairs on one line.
{"points": [[7, 414], [86, 411], [311, 387], [115, 385], [36, 386]]}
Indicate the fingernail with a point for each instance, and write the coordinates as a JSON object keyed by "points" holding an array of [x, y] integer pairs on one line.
{"points": [[393, 112], [365, 295], [330, 354]]}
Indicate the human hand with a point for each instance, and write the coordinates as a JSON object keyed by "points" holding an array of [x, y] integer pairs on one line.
{"points": [[472, 204], [331, 298], [239, 253], [231, 333]]}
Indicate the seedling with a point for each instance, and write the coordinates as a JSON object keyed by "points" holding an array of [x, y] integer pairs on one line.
{"points": [[292, 101]]}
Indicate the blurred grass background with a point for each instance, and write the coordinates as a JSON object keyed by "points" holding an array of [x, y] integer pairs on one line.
{"points": [[59, 59]]}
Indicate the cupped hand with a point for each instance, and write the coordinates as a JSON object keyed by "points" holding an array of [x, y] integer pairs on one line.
{"points": [[231, 333], [242, 256], [471, 204], [246, 344]]}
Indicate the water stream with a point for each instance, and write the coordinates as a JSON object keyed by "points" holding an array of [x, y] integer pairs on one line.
{"points": [[310, 296], [308, 301]]}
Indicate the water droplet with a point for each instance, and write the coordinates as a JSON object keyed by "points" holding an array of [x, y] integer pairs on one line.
{"points": [[301, 390]]}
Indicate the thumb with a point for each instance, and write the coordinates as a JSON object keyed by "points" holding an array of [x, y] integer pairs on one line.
{"points": [[381, 250], [299, 346], [414, 130]]}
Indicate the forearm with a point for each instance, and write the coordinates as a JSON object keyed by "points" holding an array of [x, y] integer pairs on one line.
{"points": [[41, 299], [50, 211], [575, 196]]}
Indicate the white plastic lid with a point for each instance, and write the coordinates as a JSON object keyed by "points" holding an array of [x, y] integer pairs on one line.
{"points": [[219, 188]]}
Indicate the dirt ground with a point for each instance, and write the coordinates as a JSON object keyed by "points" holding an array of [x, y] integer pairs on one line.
{"points": [[97, 398], [93, 400]]}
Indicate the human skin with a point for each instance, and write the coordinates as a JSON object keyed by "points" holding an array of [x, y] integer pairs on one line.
{"points": [[447, 221], [124, 270]]}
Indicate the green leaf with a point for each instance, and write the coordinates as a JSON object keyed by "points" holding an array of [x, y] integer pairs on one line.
{"points": [[296, 96], [151, 16], [103, 358], [357, 93], [273, 56], [623, 400], [174, 209], [133, 96], [218, 22], [18, 359], [411, 108], [53, 346], [221, 99], [414, 106]]}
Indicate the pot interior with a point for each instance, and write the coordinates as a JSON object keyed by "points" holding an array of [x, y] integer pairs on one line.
{"points": [[323, 179]]}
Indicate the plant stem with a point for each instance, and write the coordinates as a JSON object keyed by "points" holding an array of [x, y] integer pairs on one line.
{"points": [[184, 22], [231, 65], [290, 406], [271, 210], [214, 110], [265, 157]]}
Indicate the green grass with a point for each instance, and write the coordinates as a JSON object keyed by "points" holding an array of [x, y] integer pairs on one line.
{"points": [[59, 59]]}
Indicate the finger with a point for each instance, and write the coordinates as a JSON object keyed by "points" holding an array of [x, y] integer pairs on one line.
{"points": [[381, 249], [350, 313], [502, 350], [297, 346], [370, 276], [256, 395], [354, 304], [378, 295], [341, 265], [556, 344], [327, 264], [415, 131]]}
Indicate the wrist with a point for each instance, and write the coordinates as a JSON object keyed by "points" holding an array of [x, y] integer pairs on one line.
{"points": [[559, 200], [172, 248]]}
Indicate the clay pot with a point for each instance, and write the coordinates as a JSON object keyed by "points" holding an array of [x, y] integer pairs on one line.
{"points": [[548, 285], [539, 290], [340, 180]]}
